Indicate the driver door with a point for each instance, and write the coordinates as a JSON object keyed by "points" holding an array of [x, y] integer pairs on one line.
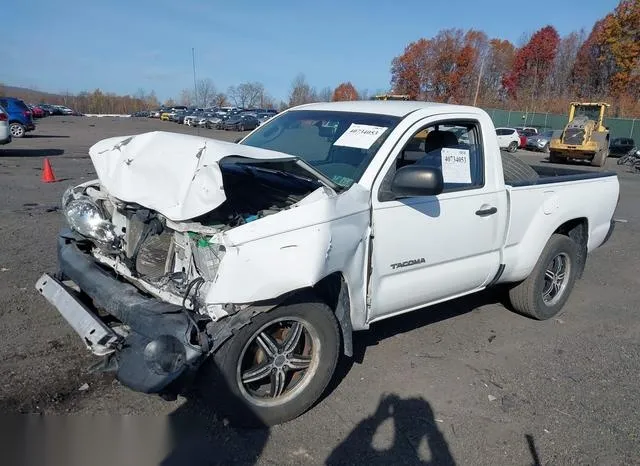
{"points": [[431, 248]]}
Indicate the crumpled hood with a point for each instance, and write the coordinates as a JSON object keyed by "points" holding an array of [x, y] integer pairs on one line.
{"points": [[177, 175]]}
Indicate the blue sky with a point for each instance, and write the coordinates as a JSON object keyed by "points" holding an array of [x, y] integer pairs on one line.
{"points": [[122, 46]]}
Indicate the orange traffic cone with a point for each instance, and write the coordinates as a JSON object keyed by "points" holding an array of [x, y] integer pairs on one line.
{"points": [[47, 172]]}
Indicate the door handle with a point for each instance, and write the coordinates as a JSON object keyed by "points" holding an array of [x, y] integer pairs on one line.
{"points": [[486, 212]]}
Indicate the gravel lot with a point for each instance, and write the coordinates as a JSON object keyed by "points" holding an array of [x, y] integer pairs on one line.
{"points": [[466, 382]]}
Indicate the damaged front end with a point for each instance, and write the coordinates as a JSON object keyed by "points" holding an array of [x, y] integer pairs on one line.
{"points": [[137, 263]]}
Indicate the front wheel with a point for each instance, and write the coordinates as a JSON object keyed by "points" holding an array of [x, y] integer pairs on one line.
{"points": [[545, 291], [17, 130], [554, 157], [600, 158], [277, 366]]}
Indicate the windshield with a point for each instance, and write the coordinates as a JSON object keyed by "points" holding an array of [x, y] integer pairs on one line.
{"points": [[338, 144], [592, 112]]}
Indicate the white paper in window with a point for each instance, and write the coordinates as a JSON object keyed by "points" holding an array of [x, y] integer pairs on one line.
{"points": [[360, 136], [456, 165]]}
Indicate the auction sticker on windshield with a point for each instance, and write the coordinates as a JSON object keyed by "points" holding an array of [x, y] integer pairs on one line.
{"points": [[360, 136], [456, 165]]}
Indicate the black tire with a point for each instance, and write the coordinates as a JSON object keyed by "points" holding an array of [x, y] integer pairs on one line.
{"points": [[554, 157], [17, 130], [233, 399], [513, 146], [600, 158], [515, 170], [527, 296]]}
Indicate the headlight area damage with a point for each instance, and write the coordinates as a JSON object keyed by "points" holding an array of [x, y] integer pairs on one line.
{"points": [[182, 239]]}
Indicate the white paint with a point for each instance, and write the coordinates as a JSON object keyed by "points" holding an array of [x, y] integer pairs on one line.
{"points": [[179, 176], [175, 174], [456, 165], [360, 136]]}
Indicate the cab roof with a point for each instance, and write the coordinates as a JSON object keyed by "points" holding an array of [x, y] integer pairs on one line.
{"points": [[398, 108]]}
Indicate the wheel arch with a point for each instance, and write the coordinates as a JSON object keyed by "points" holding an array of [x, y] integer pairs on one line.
{"points": [[578, 230], [332, 290]]}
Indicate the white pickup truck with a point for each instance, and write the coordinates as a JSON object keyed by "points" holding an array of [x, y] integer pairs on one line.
{"points": [[250, 264]]}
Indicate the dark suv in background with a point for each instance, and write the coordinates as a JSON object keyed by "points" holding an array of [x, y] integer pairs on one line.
{"points": [[20, 117]]}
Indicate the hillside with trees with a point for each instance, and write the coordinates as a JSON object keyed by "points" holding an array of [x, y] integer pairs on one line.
{"points": [[544, 73]]}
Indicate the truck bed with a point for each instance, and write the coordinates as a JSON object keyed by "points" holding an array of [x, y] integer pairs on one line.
{"points": [[538, 207], [555, 174]]}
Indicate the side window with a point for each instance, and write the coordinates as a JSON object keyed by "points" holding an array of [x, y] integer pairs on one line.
{"points": [[454, 148], [502, 132]]}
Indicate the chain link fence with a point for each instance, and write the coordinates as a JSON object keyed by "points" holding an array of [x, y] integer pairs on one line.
{"points": [[618, 127]]}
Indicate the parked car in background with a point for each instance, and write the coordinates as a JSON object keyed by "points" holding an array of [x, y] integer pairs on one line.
{"points": [[527, 130], [264, 116], [36, 111], [523, 138], [621, 146], [540, 142], [5, 133], [241, 123], [508, 138], [20, 118]]}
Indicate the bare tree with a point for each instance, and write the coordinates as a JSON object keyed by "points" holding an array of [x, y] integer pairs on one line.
{"points": [[301, 92], [560, 77], [186, 97], [365, 94], [205, 92], [246, 95], [220, 99], [325, 94]]}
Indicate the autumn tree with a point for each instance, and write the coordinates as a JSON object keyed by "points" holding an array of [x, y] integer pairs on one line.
{"points": [[444, 68], [558, 84], [345, 91], [408, 69], [533, 64], [497, 64], [593, 66]]}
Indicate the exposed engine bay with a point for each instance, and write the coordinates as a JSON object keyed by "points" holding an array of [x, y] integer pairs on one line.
{"points": [[178, 261]]}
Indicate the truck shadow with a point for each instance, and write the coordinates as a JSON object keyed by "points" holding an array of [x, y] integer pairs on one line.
{"points": [[200, 436]]}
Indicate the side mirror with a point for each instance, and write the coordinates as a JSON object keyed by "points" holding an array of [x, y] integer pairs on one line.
{"points": [[416, 180]]}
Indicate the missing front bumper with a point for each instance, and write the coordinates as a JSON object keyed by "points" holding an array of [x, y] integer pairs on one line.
{"points": [[158, 347]]}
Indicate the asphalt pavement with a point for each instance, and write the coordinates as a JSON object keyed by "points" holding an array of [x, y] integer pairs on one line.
{"points": [[465, 382]]}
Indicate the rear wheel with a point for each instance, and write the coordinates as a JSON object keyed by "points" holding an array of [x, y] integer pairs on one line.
{"points": [[17, 130], [513, 146], [277, 366], [545, 291]]}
